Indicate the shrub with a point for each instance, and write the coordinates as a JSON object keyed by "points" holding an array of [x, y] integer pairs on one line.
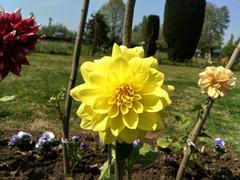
{"points": [[151, 35], [183, 21]]}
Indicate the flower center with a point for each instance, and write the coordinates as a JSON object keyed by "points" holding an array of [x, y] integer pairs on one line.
{"points": [[124, 95], [215, 83], [123, 99]]}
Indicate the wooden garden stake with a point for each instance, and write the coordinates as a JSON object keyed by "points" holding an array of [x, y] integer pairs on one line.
{"points": [[201, 120], [71, 84], [128, 19]]}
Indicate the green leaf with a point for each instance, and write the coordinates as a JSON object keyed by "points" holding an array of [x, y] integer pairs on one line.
{"points": [[164, 142], [178, 116], [176, 146], [197, 107], [146, 148], [147, 154], [7, 98], [104, 171], [191, 163]]}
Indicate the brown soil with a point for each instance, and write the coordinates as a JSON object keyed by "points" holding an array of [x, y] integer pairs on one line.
{"points": [[38, 165]]}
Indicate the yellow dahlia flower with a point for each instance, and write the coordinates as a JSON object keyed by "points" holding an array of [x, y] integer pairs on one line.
{"points": [[122, 95], [216, 81]]}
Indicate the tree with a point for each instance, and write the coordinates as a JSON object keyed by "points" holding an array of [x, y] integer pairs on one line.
{"points": [[101, 30], [183, 21], [151, 35], [57, 31], [113, 11], [97, 31], [230, 46], [139, 31], [50, 20], [161, 43], [215, 22]]}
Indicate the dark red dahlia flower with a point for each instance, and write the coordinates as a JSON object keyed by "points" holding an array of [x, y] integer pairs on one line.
{"points": [[17, 38]]}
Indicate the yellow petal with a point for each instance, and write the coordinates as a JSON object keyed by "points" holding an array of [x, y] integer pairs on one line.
{"points": [[139, 65], [152, 62], [130, 119], [155, 80], [212, 92], [124, 109], [136, 51], [101, 105], [106, 136], [113, 111], [120, 70], [86, 69], [148, 121], [156, 76], [85, 112], [86, 124], [86, 93], [152, 103], [168, 88], [116, 51], [101, 124], [137, 106], [129, 135], [116, 125]]}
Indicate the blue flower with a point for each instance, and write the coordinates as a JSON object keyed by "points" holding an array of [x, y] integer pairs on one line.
{"points": [[46, 137], [21, 138], [170, 159], [13, 140], [136, 142], [83, 145], [22, 134], [76, 138], [219, 144]]}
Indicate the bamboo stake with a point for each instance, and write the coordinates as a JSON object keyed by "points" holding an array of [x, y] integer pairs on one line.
{"points": [[71, 84], [201, 120]]}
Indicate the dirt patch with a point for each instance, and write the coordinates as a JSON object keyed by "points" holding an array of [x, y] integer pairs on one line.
{"points": [[38, 165]]}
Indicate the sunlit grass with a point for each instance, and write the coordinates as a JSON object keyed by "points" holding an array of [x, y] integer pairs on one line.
{"points": [[49, 73]]}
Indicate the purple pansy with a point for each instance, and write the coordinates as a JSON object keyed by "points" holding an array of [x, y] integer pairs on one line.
{"points": [[219, 144], [46, 137], [136, 142], [76, 138]]}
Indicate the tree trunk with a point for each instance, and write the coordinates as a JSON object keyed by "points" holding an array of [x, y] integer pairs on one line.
{"points": [[71, 83]]}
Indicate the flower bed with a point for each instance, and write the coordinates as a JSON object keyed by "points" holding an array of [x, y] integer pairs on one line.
{"points": [[38, 165]]}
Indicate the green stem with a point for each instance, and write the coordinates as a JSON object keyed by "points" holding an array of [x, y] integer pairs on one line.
{"points": [[129, 169], [110, 160], [120, 163], [123, 151]]}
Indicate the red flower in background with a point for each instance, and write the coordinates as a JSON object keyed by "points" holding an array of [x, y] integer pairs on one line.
{"points": [[17, 38]]}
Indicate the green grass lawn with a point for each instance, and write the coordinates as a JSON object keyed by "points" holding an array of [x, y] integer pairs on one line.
{"points": [[49, 73]]}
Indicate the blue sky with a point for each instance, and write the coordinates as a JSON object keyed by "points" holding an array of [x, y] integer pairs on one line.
{"points": [[67, 12]]}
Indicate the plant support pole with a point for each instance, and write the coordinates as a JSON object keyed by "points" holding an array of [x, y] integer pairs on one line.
{"points": [[71, 83], [201, 120], [128, 19]]}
